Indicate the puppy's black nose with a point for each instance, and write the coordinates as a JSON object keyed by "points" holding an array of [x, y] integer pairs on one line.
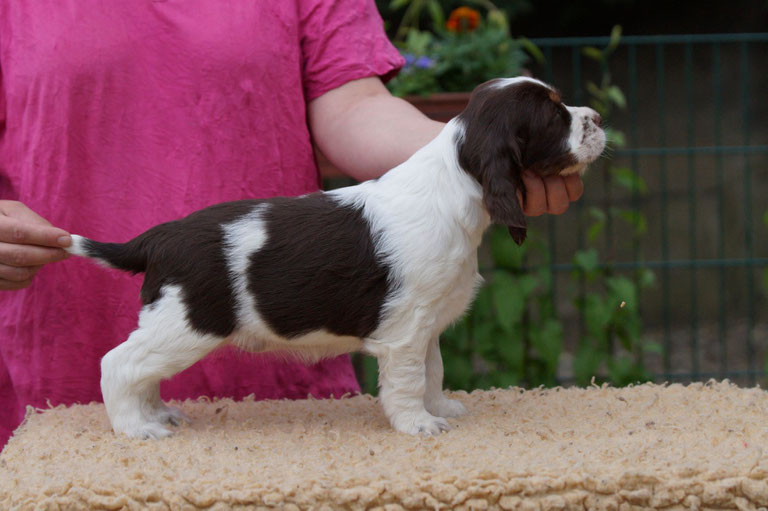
{"points": [[597, 120]]}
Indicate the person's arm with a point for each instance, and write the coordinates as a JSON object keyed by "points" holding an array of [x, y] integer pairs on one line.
{"points": [[27, 242], [364, 131]]}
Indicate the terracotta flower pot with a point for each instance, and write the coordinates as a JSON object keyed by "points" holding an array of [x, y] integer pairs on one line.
{"points": [[442, 107]]}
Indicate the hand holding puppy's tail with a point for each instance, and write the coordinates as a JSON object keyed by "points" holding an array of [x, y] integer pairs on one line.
{"points": [[123, 256]]}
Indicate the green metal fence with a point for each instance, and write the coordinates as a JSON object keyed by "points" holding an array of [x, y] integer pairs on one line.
{"points": [[697, 134]]}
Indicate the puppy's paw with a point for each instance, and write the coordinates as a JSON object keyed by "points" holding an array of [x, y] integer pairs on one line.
{"points": [[420, 423], [444, 407], [145, 431], [169, 415]]}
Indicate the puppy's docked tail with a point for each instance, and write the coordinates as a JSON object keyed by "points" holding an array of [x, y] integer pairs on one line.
{"points": [[128, 256]]}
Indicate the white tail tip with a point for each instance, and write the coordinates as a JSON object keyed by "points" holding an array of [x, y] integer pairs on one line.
{"points": [[78, 246]]}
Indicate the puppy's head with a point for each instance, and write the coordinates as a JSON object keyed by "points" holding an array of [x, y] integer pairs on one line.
{"points": [[517, 124]]}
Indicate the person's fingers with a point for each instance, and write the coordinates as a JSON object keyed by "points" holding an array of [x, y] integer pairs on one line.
{"points": [[21, 256], [14, 274], [536, 195], [551, 194], [574, 186], [557, 195], [28, 230]]}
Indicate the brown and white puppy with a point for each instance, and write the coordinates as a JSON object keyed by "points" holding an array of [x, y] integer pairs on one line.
{"points": [[383, 267]]}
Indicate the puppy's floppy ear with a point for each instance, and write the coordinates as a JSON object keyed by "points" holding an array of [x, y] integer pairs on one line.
{"points": [[501, 178], [490, 150]]}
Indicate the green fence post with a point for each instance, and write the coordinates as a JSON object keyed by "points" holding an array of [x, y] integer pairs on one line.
{"points": [[663, 204], [747, 179], [695, 357], [718, 101]]}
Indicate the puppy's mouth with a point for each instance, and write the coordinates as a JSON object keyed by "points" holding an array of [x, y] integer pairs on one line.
{"points": [[591, 147]]}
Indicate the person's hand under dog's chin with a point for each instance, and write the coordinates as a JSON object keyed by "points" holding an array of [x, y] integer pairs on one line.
{"points": [[549, 194]]}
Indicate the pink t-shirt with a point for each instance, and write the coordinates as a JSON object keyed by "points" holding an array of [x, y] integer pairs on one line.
{"points": [[116, 116]]}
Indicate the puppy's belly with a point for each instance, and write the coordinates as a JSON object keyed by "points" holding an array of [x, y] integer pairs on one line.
{"points": [[310, 347]]}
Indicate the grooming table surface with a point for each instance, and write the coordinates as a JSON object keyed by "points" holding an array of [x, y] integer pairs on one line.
{"points": [[649, 446]]}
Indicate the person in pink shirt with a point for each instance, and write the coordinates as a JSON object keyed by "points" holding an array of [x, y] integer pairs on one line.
{"points": [[117, 116]]}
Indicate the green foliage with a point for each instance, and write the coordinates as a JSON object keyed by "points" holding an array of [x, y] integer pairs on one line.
{"points": [[466, 60], [609, 313], [612, 328], [606, 96], [414, 10], [513, 335], [444, 60]]}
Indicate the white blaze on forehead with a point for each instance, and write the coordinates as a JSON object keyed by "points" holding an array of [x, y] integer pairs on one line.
{"points": [[505, 82]]}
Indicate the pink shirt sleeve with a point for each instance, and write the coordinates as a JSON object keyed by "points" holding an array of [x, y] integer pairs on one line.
{"points": [[343, 40]]}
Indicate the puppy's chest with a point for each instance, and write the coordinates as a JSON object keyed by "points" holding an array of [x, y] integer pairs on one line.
{"points": [[446, 287], [459, 293]]}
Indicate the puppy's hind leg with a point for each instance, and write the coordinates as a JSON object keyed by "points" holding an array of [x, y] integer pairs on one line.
{"points": [[162, 413], [162, 346]]}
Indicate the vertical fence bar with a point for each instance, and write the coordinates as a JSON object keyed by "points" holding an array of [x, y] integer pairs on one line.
{"points": [[548, 64], [718, 102], [551, 225], [689, 140], [634, 159], [632, 100], [576, 68], [577, 97], [609, 255], [607, 194], [663, 204], [579, 100], [747, 177]]}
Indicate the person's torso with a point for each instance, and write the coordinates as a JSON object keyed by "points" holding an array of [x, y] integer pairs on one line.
{"points": [[157, 108]]}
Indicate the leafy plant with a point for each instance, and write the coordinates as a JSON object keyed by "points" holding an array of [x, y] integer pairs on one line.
{"points": [[414, 10], [513, 328], [513, 336], [458, 53], [609, 302], [609, 312]]}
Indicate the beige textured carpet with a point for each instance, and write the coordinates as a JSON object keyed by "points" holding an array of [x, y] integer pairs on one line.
{"points": [[662, 447]]}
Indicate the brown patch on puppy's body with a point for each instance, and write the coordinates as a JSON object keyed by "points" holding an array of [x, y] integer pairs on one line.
{"points": [[318, 268]]}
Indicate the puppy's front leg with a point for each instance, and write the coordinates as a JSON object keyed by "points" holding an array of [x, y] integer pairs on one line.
{"points": [[434, 400], [402, 382]]}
